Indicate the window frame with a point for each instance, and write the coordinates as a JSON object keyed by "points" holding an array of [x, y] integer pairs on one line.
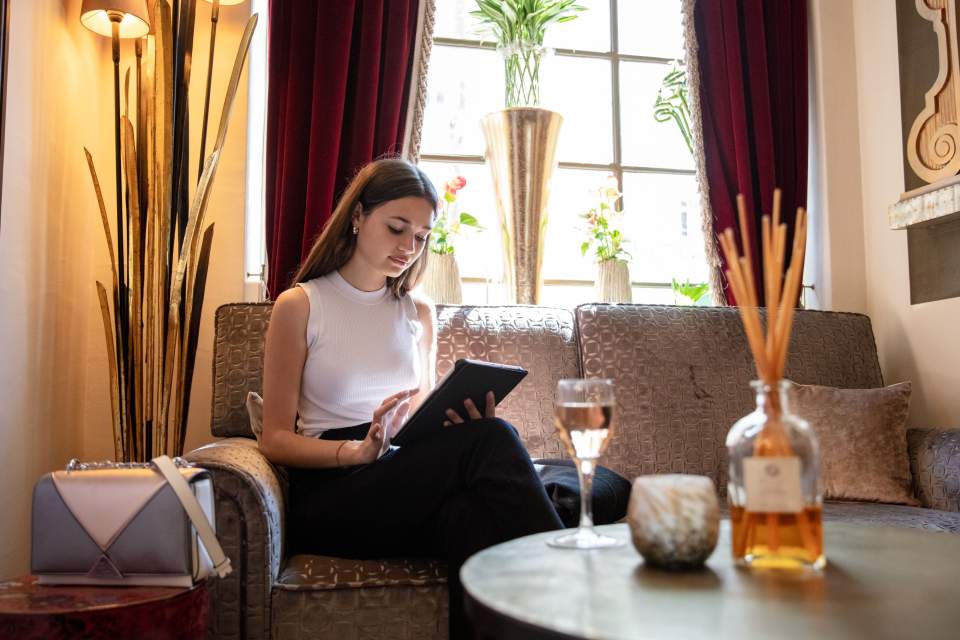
{"points": [[617, 168]]}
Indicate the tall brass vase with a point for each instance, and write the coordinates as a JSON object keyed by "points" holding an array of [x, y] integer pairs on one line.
{"points": [[521, 152]]}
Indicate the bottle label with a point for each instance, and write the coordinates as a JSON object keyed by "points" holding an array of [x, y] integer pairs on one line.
{"points": [[772, 484]]}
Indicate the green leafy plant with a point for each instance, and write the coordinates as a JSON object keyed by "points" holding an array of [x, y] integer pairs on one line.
{"points": [[602, 235], [518, 27], [450, 223], [694, 292], [671, 104]]}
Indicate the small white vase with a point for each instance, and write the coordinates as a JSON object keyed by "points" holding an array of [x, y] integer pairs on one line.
{"points": [[613, 282], [441, 281]]}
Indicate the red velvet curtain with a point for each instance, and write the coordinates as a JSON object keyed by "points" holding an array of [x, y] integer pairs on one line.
{"points": [[339, 75], [753, 101]]}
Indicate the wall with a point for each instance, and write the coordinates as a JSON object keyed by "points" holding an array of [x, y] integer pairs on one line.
{"points": [[836, 208], [919, 342], [54, 374], [48, 222], [915, 342]]}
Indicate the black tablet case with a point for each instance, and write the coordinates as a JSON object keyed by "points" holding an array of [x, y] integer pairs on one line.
{"points": [[468, 379]]}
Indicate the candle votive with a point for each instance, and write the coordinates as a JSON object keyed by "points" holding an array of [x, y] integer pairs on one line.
{"points": [[674, 520]]}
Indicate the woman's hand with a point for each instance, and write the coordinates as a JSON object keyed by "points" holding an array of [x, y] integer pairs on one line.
{"points": [[387, 418], [472, 412]]}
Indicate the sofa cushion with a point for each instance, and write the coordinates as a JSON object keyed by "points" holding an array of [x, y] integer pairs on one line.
{"points": [[540, 339], [862, 435], [682, 377], [305, 571], [399, 612], [891, 515], [935, 467]]}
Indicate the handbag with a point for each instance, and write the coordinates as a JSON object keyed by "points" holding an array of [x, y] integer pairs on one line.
{"points": [[115, 523]]}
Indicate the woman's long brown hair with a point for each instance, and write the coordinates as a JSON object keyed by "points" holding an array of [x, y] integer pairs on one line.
{"points": [[377, 183]]}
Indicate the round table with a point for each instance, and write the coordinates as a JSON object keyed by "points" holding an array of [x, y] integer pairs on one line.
{"points": [[29, 611], [880, 582]]}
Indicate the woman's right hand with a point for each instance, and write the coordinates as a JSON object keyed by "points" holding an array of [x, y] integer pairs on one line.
{"points": [[368, 450]]}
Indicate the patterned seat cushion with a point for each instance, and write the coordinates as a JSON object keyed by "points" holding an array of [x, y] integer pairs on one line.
{"points": [[310, 572]]}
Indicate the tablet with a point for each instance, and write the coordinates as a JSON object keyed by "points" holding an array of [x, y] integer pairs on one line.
{"points": [[468, 379]]}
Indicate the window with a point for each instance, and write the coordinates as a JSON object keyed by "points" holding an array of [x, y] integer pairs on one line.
{"points": [[254, 241], [603, 78]]}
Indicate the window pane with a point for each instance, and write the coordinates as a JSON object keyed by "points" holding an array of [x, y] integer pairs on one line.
{"points": [[662, 214], [478, 252], [452, 19], [571, 194], [590, 31], [487, 292], [646, 142], [653, 295], [651, 28], [566, 295], [579, 88], [463, 85]]}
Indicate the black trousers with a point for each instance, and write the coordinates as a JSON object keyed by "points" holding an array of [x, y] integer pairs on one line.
{"points": [[466, 489]]}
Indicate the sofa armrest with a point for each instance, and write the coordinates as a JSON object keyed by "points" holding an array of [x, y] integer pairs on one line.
{"points": [[935, 465], [249, 496]]}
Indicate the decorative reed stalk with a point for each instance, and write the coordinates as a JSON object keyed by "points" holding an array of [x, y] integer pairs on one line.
{"points": [[152, 363], [781, 290]]}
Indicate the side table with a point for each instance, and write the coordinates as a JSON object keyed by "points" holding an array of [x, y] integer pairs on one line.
{"points": [[29, 611], [882, 583]]}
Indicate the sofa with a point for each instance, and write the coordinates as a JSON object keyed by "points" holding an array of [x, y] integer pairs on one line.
{"points": [[681, 375]]}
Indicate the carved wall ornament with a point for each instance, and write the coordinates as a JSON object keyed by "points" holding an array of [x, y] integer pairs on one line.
{"points": [[932, 144]]}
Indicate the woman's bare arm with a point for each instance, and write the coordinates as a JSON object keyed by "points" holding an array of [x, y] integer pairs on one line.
{"points": [[428, 348], [284, 356]]}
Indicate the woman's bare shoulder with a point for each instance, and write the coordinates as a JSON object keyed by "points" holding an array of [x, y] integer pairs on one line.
{"points": [[426, 310], [292, 306]]}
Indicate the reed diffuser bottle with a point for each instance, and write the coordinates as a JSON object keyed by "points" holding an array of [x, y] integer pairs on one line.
{"points": [[774, 486], [774, 489]]}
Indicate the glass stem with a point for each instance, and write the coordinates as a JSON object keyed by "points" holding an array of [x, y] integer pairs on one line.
{"points": [[585, 471]]}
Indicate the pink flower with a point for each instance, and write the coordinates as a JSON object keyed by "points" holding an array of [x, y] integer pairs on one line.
{"points": [[455, 184]]}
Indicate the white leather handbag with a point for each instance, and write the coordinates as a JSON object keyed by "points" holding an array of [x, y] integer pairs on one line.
{"points": [[109, 523]]}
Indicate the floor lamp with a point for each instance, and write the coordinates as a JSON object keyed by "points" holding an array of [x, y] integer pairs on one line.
{"points": [[118, 19], [214, 19]]}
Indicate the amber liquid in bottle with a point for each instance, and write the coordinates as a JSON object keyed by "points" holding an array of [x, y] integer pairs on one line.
{"points": [[778, 540]]}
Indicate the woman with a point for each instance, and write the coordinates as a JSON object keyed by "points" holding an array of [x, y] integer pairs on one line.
{"points": [[350, 350]]}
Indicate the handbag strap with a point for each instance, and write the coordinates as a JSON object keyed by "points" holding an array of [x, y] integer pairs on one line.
{"points": [[221, 563]]}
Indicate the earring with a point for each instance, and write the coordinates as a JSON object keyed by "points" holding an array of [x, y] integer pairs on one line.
{"points": [[356, 229]]}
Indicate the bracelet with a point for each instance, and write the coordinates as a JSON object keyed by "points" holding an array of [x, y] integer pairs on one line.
{"points": [[338, 451]]}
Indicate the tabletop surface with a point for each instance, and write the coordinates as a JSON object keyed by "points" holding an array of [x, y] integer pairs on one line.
{"points": [[23, 596], [880, 582]]}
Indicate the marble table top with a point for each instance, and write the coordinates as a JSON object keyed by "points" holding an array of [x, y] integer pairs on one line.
{"points": [[880, 582]]}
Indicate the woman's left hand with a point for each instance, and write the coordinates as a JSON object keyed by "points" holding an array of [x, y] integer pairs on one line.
{"points": [[473, 413]]}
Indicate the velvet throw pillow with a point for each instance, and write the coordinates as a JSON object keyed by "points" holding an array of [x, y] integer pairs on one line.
{"points": [[863, 440]]}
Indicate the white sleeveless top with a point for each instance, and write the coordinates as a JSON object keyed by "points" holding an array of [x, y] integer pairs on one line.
{"points": [[362, 346]]}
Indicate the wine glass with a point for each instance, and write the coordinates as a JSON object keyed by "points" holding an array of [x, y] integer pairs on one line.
{"points": [[584, 417]]}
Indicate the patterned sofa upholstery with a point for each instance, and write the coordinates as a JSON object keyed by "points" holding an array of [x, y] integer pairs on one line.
{"points": [[681, 375]]}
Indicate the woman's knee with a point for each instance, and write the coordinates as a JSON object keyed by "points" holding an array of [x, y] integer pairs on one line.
{"points": [[499, 429]]}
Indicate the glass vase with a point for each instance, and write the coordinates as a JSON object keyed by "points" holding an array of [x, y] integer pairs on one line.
{"points": [[521, 67], [774, 486]]}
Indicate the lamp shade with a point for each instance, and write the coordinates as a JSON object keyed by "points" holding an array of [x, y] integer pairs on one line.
{"points": [[226, 2], [134, 22]]}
